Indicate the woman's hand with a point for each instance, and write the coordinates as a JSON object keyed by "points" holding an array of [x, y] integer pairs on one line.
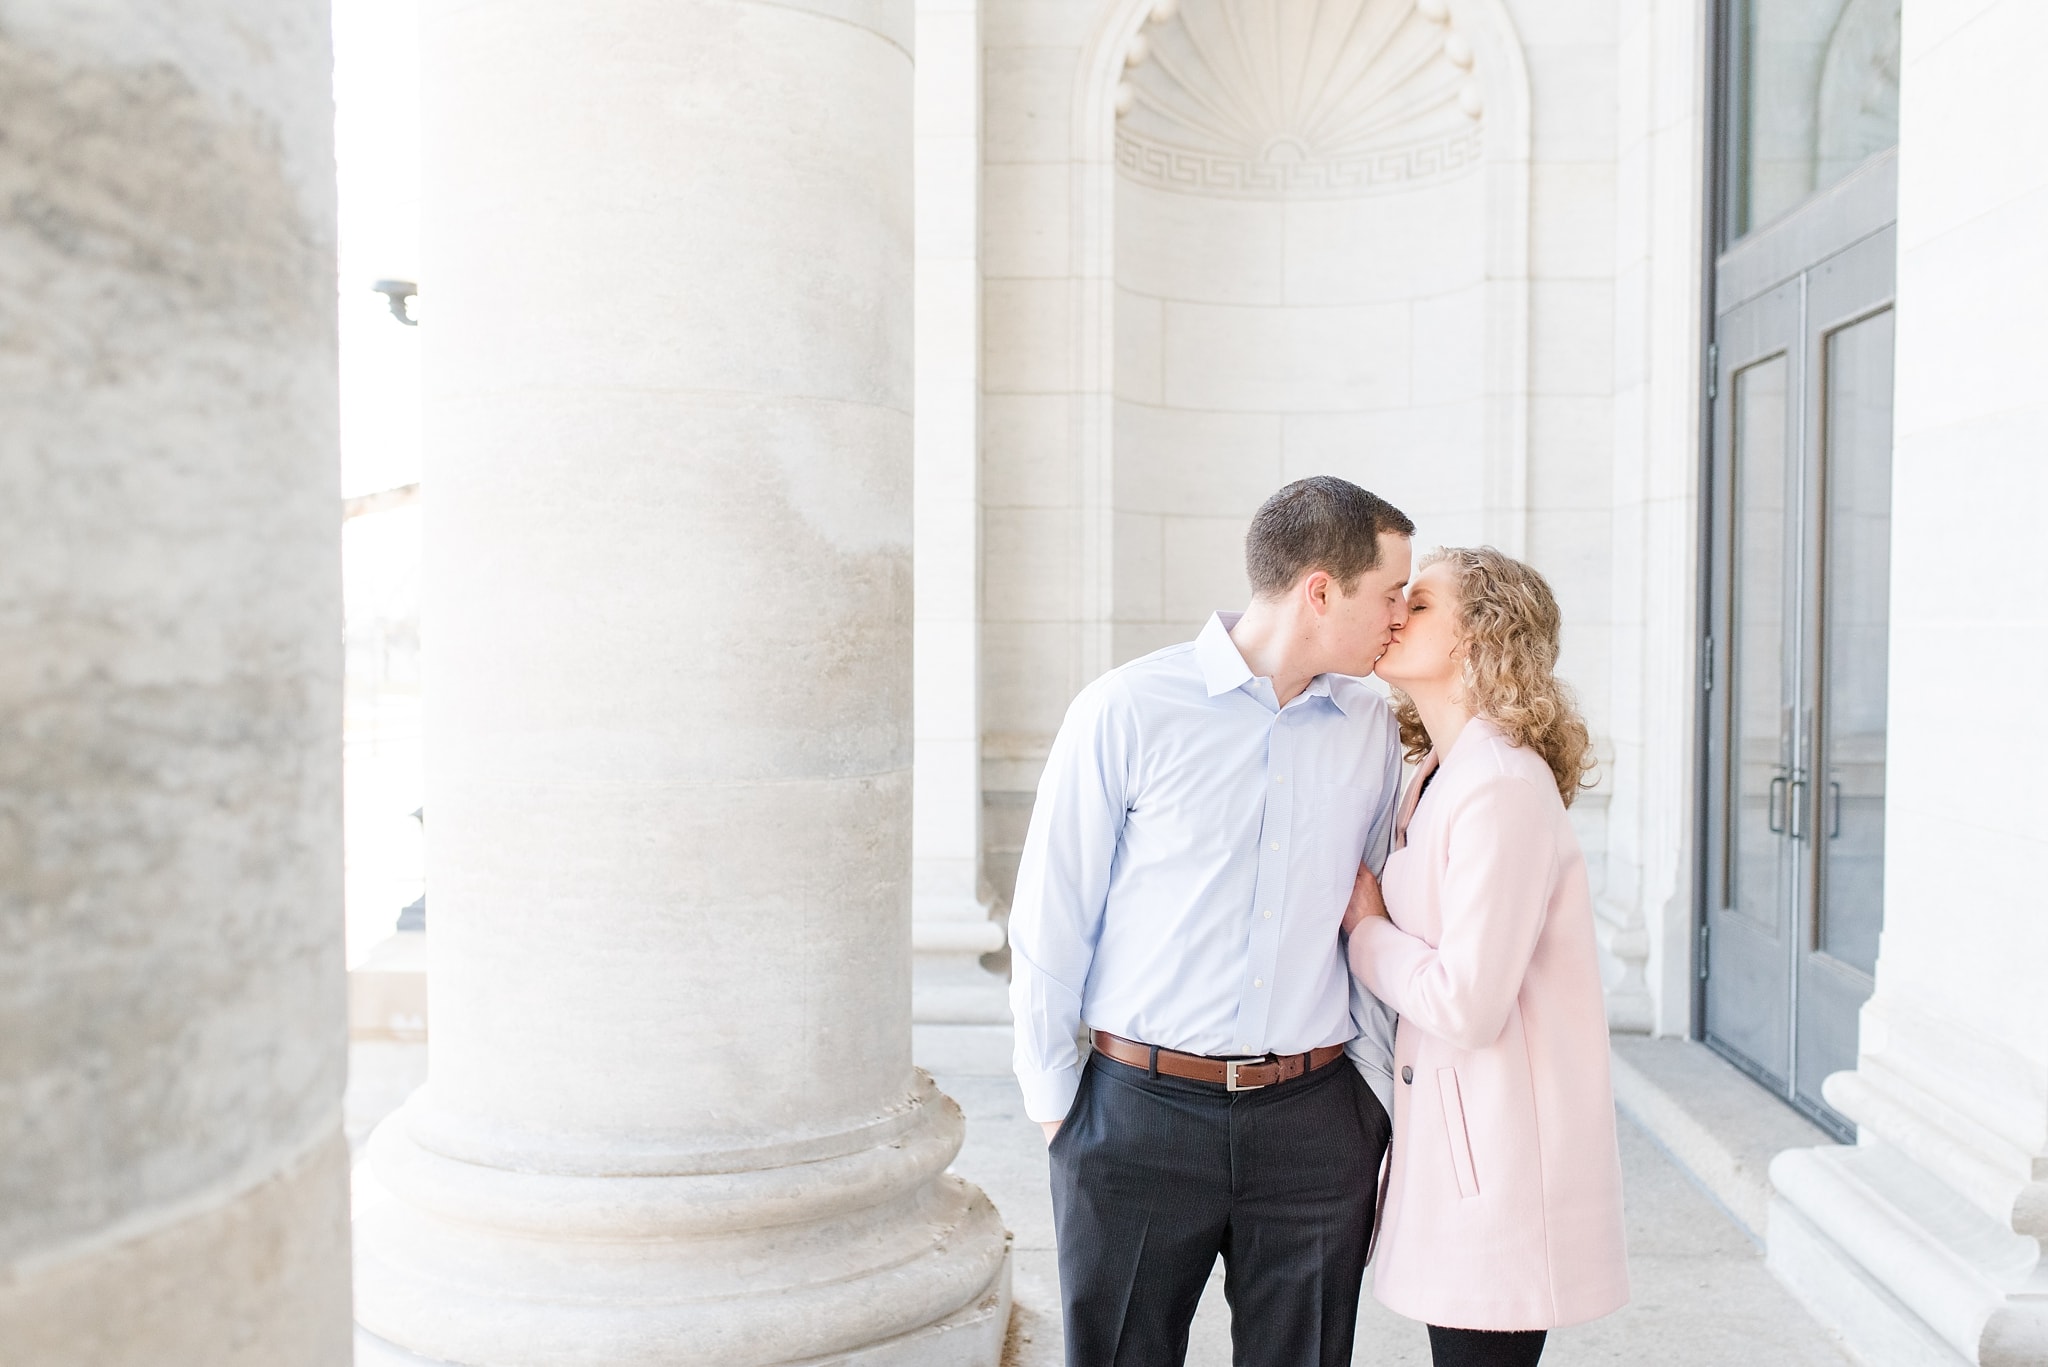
{"points": [[1365, 900]]}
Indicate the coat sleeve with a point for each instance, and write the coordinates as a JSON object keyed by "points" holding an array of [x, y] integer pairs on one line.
{"points": [[1062, 887], [1500, 867]]}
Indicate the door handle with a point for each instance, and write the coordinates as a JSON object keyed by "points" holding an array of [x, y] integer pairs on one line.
{"points": [[1797, 807], [1771, 817], [1834, 810]]}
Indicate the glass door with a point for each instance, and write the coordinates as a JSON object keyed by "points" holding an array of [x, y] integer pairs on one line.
{"points": [[1800, 588]]}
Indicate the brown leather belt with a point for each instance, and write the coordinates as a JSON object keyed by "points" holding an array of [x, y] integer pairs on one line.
{"points": [[1235, 1074]]}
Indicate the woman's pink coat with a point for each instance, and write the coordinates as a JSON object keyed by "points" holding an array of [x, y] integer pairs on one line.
{"points": [[1503, 1203]]}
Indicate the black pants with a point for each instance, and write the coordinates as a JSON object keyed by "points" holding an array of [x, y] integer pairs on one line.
{"points": [[1484, 1347], [1154, 1178]]}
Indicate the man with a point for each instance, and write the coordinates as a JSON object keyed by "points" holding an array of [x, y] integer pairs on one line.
{"points": [[1200, 822]]}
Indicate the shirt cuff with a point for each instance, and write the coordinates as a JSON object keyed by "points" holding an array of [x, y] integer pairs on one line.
{"points": [[1049, 1095]]}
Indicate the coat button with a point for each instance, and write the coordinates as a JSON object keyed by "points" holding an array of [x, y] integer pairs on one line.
{"points": [[1407, 1073]]}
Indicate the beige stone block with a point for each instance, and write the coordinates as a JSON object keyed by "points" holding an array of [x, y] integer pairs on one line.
{"points": [[1425, 461], [1571, 337], [1572, 101], [1028, 566], [1027, 451], [1140, 347], [1543, 22], [1135, 640], [1207, 464], [1571, 452], [1287, 359], [1027, 94], [1029, 674], [1389, 247], [1027, 336], [1025, 229], [1201, 569], [1041, 23], [1449, 348], [1573, 548], [1217, 251], [1135, 555], [1572, 220]]}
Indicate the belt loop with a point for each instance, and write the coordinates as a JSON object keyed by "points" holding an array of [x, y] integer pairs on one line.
{"points": [[1154, 1069]]}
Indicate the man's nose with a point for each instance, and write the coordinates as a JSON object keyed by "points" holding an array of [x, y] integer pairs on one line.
{"points": [[1399, 617]]}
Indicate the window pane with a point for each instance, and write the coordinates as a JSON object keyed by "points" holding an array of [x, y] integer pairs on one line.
{"points": [[1816, 94], [1857, 551], [1760, 746]]}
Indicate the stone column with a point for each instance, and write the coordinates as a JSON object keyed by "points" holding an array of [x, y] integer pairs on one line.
{"points": [[671, 1115], [959, 1006], [1923, 1243], [171, 1001]]}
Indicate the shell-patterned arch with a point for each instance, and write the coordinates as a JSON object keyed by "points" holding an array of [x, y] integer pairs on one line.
{"points": [[1297, 97]]}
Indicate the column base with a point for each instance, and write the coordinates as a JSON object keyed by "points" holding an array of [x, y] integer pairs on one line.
{"points": [[863, 1251], [1902, 1267], [970, 1337]]}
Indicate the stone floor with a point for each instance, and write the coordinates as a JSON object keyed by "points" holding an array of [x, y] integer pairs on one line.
{"points": [[1703, 1297]]}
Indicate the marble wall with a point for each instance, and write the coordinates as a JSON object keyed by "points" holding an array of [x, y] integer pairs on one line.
{"points": [[1155, 361]]}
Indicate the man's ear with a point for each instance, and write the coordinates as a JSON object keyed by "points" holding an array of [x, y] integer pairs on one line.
{"points": [[1316, 591]]}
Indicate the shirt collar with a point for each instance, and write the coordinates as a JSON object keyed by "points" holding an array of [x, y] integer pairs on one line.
{"points": [[1224, 669]]}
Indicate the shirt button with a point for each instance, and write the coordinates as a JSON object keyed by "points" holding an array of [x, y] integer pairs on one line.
{"points": [[1269, 913], [1258, 982], [1274, 846], [1281, 779], [1407, 1073]]}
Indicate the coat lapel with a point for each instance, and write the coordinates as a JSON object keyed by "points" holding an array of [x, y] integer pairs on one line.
{"points": [[1411, 798]]}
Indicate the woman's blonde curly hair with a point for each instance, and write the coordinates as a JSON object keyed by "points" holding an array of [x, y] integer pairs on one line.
{"points": [[1509, 622]]}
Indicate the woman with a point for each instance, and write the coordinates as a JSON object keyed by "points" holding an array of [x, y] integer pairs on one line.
{"points": [[1502, 1216]]}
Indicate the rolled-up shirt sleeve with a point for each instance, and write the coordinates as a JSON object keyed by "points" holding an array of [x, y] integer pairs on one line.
{"points": [[1062, 886]]}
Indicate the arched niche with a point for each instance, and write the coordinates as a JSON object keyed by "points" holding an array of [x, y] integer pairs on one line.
{"points": [[1302, 234]]}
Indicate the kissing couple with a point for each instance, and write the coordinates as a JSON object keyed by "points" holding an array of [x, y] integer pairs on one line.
{"points": [[1287, 976]]}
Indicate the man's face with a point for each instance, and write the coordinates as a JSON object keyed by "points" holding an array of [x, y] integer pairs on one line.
{"points": [[1359, 624]]}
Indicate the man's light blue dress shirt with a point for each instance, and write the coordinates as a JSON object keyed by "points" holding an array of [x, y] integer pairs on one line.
{"points": [[1189, 859]]}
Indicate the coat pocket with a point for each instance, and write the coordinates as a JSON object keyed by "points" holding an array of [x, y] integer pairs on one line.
{"points": [[1454, 1128]]}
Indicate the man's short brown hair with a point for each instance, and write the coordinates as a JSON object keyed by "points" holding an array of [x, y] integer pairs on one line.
{"points": [[1319, 523]]}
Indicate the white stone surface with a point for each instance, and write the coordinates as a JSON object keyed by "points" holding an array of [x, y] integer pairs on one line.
{"points": [[951, 927], [671, 1113], [1702, 1294], [1135, 378], [170, 823], [1645, 908], [1931, 1229]]}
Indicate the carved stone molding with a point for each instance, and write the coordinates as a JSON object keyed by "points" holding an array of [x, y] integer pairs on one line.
{"points": [[1298, 98]]}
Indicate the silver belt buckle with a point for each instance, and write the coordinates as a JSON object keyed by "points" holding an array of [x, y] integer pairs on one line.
{"points": [[1230, 1075]]}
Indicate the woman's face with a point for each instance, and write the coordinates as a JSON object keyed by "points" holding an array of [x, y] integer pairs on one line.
{"points": [[1426, 650]]}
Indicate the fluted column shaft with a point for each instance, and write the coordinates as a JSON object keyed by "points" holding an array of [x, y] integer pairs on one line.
{"points": [[174, 1187], [671, 1115]]}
